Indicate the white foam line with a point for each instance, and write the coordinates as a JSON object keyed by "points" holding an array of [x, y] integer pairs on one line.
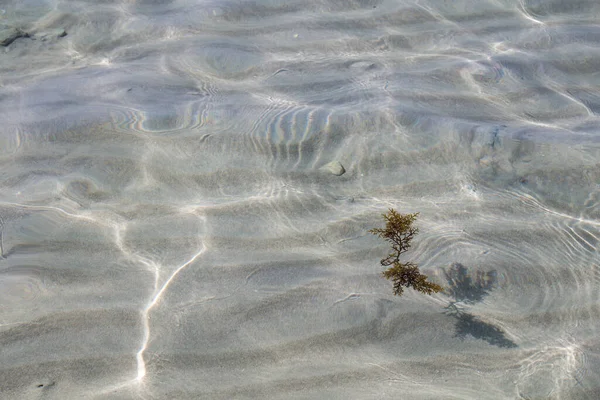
{"points": [[351, 296], [397, 376], [527, 15], [549, 211], [50, 208], [141, 364], [135, 257], [13, 323], [573, 233]]}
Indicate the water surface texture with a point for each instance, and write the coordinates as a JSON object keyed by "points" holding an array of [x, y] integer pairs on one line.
{"points": [[186, 189]]}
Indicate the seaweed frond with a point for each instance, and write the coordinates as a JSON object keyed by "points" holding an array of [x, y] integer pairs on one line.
{"points": [[399, 231]]}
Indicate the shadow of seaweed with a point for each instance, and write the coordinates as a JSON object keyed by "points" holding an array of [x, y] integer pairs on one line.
{"points": [[464, 288], [467, 290], [470, 325]]}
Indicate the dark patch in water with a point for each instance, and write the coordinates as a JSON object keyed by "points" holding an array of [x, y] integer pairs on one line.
{"points": [[465, 288], [468, 290], [468, 324]]}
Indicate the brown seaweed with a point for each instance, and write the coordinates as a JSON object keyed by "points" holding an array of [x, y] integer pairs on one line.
{"points": [[399, 231]]}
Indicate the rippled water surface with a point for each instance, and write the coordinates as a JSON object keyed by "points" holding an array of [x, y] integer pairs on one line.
{"points": [[186, 189]]}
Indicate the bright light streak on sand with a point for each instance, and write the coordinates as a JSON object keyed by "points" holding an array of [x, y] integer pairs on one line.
{"points": [[50, 208], [526, 198], [527, 15], [119, 229], [141, 364]]}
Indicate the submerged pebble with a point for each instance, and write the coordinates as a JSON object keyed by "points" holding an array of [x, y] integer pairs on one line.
{"points": [[336, 168]]}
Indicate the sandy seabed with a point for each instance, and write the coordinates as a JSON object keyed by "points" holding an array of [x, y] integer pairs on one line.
{"points": [[175, 223]]}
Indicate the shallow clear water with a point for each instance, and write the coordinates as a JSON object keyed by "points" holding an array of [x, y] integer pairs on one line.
{"points": [[173, 223]]}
